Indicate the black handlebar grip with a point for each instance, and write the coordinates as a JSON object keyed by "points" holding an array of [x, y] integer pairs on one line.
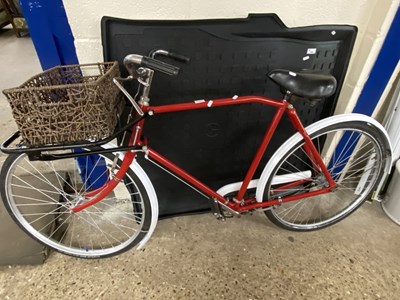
{"points": [[159, 66], [179, 57]]}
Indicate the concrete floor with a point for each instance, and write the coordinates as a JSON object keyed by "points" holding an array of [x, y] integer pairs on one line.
{"points": [[198, 257], [19, 62]]}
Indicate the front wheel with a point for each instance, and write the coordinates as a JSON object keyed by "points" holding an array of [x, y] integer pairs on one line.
{"points": [[354, 155], [39, 194]]}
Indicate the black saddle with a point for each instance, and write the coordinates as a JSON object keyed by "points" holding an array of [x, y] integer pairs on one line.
{"points": [[310, 85]]}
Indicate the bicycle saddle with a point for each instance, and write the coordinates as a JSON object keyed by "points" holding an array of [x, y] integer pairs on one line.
{"points": [[310, 85]]}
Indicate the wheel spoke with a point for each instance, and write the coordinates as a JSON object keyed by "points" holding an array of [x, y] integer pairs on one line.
{"points": [[349, 164], [40, 194]]}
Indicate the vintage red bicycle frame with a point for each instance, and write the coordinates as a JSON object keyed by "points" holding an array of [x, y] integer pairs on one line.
{"points": [[238, 205]]}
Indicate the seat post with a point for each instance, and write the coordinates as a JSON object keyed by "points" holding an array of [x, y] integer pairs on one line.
{"points": [[287, 96]]}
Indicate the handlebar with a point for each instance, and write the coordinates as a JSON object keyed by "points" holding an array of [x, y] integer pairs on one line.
{"points": [[134, 59], [144, 74]]}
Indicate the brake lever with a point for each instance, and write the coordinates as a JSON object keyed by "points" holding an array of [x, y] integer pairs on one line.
{"points": [[170, 54], [142, 82], [126, 93]]}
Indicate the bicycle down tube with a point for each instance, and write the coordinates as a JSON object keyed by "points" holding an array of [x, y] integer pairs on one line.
{"points": [[238, 204]]}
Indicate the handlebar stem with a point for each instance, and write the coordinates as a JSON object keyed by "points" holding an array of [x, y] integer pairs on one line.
{"points": [[147, 77]]}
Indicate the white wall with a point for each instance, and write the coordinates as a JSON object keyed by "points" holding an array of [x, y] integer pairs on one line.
{"points": [[372, 17]]}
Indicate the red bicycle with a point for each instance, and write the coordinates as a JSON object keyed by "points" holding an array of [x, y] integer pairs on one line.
{"points": [[319, 176]]}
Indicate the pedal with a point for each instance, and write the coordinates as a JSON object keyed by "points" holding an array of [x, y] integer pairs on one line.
{"points": [[221, 212], [216, 210], [219, 217], [227, 214]]}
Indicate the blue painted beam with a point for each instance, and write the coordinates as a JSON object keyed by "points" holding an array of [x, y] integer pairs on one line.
{"points": [[379, 77], [54, 44], [382, 70], [50, 32]]}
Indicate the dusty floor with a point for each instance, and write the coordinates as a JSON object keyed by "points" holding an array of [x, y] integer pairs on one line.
{"points": [[198, 257]]}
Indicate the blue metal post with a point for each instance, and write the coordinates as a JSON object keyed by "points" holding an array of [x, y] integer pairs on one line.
{"points": [[50, 32], [381, 72], [54, 44]]}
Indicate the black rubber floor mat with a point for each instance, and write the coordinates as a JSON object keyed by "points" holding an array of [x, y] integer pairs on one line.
{"points": [[228, 57]]}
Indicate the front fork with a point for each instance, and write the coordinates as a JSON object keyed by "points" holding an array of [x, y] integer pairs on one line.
{"points": [[107, 188]]}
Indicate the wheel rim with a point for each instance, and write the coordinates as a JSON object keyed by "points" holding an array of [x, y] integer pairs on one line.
{"points": [[41, 193], [347, 167]]}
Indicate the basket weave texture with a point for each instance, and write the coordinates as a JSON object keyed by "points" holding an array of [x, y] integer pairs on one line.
{"points": [[67, 104]]}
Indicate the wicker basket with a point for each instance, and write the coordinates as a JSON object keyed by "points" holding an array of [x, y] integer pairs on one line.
{"points": [[67, 104]]}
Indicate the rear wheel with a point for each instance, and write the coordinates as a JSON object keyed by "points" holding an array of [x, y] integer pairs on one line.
{"points": [[354, 154], [38, 195]]}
